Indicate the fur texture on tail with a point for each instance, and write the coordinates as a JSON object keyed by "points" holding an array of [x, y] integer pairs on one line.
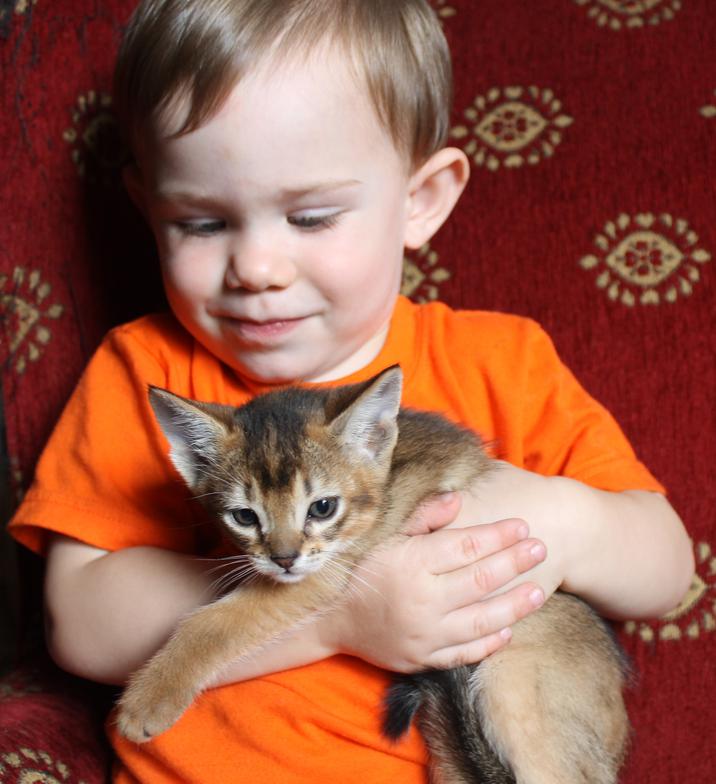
{"points": [[546, 709], [443, 704]]}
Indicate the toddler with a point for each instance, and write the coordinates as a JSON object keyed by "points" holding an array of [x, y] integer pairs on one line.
{"points": [[285, 153]]}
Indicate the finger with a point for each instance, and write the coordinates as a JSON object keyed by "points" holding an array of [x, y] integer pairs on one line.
{"points": [[434, 513], [476, 581], [451, 549], [470, 625], [470, 653]]}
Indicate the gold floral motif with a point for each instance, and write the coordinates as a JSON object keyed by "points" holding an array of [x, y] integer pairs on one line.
{"points": [[513, 126], [34, 766], [10, 690], [646, 259], [709, 111], [443, 10], [422, 276], [9, 9], [23, 6], [695, 615], [630, 14], [94, 138], [17, 483], [25, 313]]}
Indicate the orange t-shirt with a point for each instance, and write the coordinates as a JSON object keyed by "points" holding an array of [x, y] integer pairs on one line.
{"points": [[105, 479]]}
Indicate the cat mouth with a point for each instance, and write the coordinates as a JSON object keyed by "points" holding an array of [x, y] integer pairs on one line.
{"points": [[288, 577], [294, 574]]}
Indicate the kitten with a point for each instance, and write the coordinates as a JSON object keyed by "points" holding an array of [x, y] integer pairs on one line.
{"points": [[306, 483]]}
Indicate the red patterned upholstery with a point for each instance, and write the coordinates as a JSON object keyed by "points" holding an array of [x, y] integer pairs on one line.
{"points": [[591, 125], [50, 729]]}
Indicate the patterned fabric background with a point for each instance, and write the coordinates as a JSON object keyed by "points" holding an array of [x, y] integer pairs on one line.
{"points": [[591, 125]]}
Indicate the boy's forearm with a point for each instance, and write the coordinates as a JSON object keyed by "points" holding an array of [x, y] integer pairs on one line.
{"points": [[626, 553], [307, 645], [107, 613], [631, 555]]}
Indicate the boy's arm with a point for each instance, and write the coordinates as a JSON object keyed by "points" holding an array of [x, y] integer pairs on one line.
{"points": [[108, 612], [626, 553]]}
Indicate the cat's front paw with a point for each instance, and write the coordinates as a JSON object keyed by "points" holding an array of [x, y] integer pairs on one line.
{"points": [[145, 711]]}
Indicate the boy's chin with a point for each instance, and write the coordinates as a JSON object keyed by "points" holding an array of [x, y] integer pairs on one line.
{"points": [[276, 371]]}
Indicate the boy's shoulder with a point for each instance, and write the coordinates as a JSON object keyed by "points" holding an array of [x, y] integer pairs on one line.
{"points": [[156, 333], [486, 346], [487, 329]]}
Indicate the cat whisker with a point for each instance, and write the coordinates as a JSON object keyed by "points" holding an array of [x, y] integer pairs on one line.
{"points": [[344, 570], [223, 558], [352, 565], [245, 561], [244, 571], [338, 580], [243, 576], [205, 495], [217, 473], [234, 577]]}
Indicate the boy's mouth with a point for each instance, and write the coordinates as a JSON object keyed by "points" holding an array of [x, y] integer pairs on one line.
{"points": [[261, 331]]}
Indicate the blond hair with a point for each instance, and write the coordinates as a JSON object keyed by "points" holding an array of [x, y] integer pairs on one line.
{"points": [[199, 49]]}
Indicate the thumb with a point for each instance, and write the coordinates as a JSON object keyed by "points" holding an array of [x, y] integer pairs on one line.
{"points": [[434, 513]]}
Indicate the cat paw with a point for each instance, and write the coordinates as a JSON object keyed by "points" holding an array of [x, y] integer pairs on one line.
{"points": [[141, 716]]}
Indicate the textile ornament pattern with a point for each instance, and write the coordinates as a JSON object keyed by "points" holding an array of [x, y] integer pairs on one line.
{"points": [[590, 126]]}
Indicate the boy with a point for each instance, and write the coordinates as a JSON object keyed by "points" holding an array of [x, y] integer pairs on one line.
{"points": [[285, 154]]}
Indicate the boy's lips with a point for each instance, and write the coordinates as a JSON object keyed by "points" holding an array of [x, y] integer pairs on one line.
{"points": [[263, 331]]}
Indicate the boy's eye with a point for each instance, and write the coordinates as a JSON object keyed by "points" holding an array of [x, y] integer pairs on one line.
{"points": [[313, 221], [200, 228]]}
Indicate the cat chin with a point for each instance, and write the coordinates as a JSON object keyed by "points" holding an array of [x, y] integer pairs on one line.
{"points": [[283, 576], [288, 577]]}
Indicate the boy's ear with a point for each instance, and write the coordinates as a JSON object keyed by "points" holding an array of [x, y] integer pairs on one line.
{"points": [[433, 191], [132, 177]]}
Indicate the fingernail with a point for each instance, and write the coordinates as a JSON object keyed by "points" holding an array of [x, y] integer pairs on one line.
{"points": [[538, 552], [537, 597], [523, 530], [506, 634]]}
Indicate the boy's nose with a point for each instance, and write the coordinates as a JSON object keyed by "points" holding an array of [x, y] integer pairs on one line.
{"points": [[257, 269]]}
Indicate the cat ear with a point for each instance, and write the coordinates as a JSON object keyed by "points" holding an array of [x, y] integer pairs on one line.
{"points": [[192, 431], [369, 425]]}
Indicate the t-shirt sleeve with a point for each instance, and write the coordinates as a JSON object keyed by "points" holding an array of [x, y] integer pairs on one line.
{"points": [[104, 477], [567, 432]]}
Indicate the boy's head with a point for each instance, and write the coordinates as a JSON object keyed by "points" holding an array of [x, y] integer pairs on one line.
{"points": [[199, 50], [281, 187]]}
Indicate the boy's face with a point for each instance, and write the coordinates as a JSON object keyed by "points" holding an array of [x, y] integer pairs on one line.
{"points": [[281, 223]]}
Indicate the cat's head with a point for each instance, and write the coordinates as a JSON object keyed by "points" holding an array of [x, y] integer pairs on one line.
{"points": [[296, 476]]}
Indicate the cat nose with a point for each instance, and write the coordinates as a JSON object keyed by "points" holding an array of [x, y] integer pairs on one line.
{"points": [[285, 561]]}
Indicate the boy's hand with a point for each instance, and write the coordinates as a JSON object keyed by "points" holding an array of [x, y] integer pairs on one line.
{"points": [[551, 506], [426, 601]]}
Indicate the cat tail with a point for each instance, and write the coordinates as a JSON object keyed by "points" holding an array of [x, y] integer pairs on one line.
{"points": [[443, 702]]}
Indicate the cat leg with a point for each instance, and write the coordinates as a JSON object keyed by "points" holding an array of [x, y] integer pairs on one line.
{"points": [[551, 702], [204, 642]]}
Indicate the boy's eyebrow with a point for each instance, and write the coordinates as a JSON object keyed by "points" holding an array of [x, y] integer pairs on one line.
{"points": [[285, 194], [186, 197], [318, 187]]}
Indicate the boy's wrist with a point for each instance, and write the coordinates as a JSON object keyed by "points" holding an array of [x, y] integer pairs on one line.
{"points": [[329, 632], [578, 515]]}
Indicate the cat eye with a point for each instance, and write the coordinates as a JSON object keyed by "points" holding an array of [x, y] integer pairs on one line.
{"points": [[323, 508], [245, 517]]}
